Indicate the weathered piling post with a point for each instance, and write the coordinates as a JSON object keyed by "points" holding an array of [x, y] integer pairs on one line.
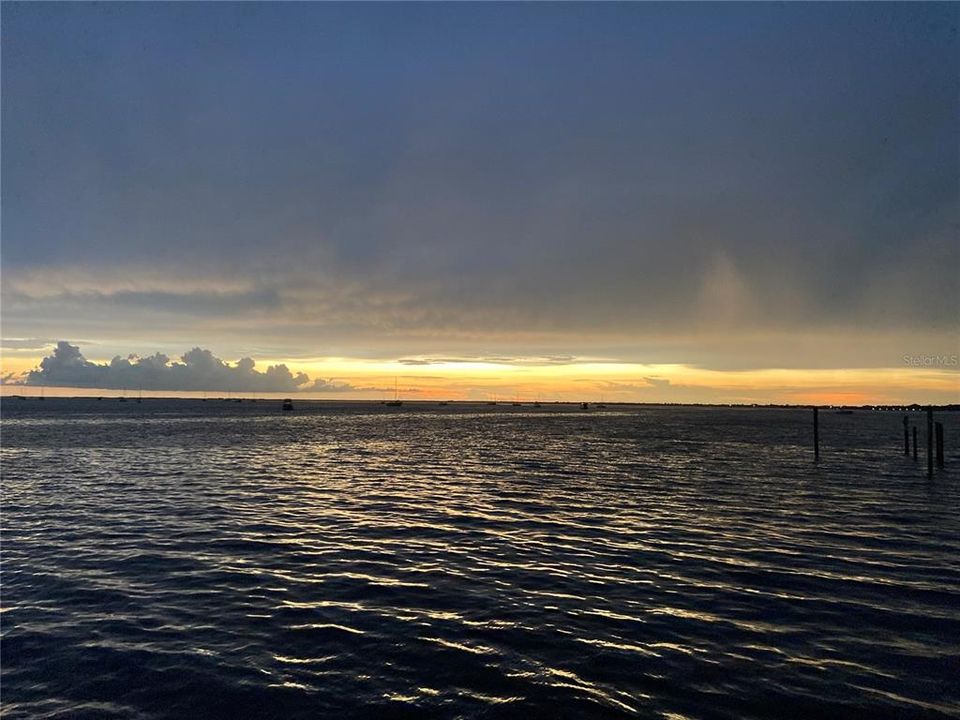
{"points": [[939, 437], [816, 433], [929, 441], [914, 442], [906, 436]]}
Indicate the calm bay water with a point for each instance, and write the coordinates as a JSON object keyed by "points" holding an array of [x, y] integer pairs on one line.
{"points": [[180, 559]]}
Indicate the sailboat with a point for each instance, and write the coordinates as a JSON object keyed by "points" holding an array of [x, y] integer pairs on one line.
{"points": [[396, 402]]}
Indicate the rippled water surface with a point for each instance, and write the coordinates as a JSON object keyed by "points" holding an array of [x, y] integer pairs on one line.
{"points": [[181, 559]]}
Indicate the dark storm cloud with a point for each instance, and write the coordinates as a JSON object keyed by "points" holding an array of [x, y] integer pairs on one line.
{"points": [[197, 369], [196, 303], [447, 169]]}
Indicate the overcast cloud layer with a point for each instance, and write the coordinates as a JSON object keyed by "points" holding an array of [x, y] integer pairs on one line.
{"points": [[658, 183]]}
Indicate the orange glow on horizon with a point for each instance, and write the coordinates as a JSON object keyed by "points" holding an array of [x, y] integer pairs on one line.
{"points": [[579, 381]]}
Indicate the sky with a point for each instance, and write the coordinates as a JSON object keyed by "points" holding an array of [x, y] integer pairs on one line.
{"points": [[654, 202]]}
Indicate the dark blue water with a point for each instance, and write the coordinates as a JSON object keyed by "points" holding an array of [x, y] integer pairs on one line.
{"points": [[179, 559]]}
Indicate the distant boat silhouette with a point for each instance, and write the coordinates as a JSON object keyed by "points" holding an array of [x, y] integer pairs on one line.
{"points": [[584, 406], [287, 404], [396, 402]]}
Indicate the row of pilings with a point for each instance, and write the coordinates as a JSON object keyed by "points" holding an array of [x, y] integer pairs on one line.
{"points": [[934, 439]]}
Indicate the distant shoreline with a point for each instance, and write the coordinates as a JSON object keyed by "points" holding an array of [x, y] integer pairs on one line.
{"points": [[114, 396]]}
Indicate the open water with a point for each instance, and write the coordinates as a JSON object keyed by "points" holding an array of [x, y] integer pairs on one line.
{"points": [[188, 559]]}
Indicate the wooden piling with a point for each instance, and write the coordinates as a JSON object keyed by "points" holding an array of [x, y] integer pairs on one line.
{"points": [[816, 433], [914, 442], [906, 436], [929, 442], [939, 438]]}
